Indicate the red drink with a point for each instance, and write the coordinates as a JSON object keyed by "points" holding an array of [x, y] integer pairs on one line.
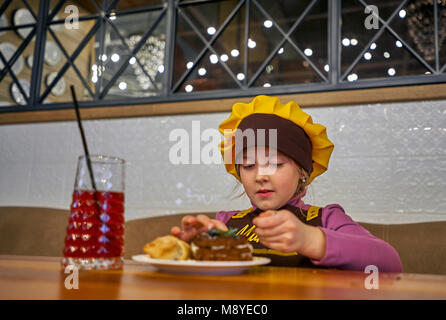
{"points": [[95, 229]]}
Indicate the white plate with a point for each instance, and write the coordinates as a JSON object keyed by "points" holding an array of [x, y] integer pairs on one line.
{"points": [[21, 17], [3, 23], [59, 87], [201, 267], [53, 55], [8, 50]]}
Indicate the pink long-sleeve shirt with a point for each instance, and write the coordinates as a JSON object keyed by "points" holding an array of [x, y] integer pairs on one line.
{"points": [[348, 245]]}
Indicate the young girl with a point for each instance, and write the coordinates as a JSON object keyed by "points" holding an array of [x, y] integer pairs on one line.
{"points": [[275, 173]]}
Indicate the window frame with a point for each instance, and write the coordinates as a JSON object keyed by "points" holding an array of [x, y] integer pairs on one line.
{"points": [[335, 90]]}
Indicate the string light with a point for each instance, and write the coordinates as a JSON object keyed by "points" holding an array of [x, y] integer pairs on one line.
{"points": [[352, 77], [211, 31], [240, 76], [202, 71], [189, 88], [367, 56], [213, 58], [235, 53], [267, 24], [122, 85], [115, 57], [308, 52]]}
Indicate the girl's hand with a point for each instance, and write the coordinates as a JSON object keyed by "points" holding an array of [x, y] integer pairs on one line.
{"points": [[193, 225], [281, 230]]}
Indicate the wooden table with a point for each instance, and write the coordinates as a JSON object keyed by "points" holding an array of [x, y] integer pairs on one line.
{"points": [[23, 277]]}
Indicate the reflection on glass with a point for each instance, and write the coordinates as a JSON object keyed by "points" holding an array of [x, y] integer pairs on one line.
{"points": [[415, 24], [15, 83], [287, 67], [353, 28], [208, 76], [386, 60], [142, 73], [58, 45]]}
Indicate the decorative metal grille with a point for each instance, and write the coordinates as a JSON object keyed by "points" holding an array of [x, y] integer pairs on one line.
{"points": [[135, 52]]}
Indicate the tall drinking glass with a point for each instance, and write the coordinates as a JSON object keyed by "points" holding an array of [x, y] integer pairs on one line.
{"points": [[95, 232]]}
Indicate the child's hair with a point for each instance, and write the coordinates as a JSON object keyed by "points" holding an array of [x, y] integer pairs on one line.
{"points": [[301, 186]]}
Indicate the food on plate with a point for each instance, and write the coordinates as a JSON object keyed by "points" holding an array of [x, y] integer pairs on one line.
{"points": [[218, 245], [168, 247]]}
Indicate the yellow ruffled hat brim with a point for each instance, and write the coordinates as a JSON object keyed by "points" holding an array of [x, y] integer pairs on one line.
{"points": [[322, 147]]}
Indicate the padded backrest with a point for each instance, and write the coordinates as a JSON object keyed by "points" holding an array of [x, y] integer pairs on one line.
{"points": [[41, 232]]}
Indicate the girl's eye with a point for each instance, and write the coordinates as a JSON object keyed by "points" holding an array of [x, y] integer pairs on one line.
{"points": [[248, 166], [277, 164]]}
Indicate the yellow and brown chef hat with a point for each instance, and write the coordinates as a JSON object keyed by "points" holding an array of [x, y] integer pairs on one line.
{"points": [[297, 136]]}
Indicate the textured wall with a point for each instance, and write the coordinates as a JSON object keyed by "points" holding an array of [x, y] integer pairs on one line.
{"points": [[388, 165]]}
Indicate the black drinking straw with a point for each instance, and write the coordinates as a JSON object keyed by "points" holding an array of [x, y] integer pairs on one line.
{"points": [[84, 141]]}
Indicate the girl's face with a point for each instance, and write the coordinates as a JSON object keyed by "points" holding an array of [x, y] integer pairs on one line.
{"points": [[270, 178]]}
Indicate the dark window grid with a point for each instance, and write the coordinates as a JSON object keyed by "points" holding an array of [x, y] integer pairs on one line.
{"points": [[78, 50], [8, 65], [397, 37], [133, 53], [170, 46], [67, 56], [129, 51], [437, 49], [246, 37], [333, 43], [70, 60], [198, 2], [18, 52], [208, 45], [384, 26], [14, 78], [334, 38], [4, 6], [286, 37]]}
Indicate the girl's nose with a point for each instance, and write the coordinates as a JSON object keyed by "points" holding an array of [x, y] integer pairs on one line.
{"points": [[262, 173]]}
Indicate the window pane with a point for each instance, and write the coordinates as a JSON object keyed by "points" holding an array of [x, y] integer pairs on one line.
{"points": [[442, 34], [13, 91], [198, 23], [68, 40], [262, 40], [386, 60], [144, 72], [208, 75], [415, 25], [358, 27]]}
